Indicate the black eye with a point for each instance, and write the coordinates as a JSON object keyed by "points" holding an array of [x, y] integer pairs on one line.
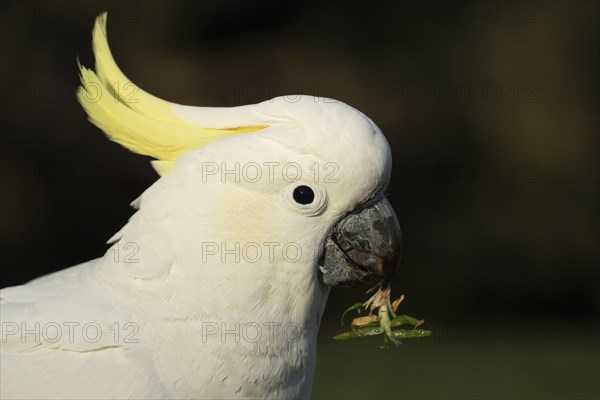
{"points": [[304, 195]]}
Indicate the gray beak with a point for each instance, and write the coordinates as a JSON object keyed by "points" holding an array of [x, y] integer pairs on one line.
{"points": [[364, 246]]}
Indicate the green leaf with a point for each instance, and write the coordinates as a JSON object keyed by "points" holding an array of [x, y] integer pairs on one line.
{"points": [[410, 333], [406, 320], [360, 332], [375, 329]]}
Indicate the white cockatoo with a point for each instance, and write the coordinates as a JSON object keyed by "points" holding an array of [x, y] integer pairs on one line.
{"points": [[216, 286]]}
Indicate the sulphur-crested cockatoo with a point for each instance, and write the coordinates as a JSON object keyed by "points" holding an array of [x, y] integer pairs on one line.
{"points": [[216, 286]]}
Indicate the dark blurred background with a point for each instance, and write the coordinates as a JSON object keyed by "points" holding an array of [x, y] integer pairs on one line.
{"points": [[491, 109]]}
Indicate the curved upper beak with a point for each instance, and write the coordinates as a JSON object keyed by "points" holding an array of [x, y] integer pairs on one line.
{"points": [[364, 246]]}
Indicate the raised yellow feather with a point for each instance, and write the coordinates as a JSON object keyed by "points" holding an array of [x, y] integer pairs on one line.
{"points": [[142, 123]]}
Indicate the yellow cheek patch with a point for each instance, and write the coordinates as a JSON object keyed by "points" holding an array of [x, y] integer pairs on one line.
{"points": [[135, 119], [243, 215]]}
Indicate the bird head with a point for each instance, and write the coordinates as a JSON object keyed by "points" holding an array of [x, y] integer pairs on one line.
{"points": [[294, 181]]}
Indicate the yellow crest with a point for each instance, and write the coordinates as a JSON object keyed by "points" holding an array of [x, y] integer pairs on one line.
{"points": [[135, 119]]}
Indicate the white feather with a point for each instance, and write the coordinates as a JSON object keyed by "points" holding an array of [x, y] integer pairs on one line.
{"points": [[158, 277]]}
